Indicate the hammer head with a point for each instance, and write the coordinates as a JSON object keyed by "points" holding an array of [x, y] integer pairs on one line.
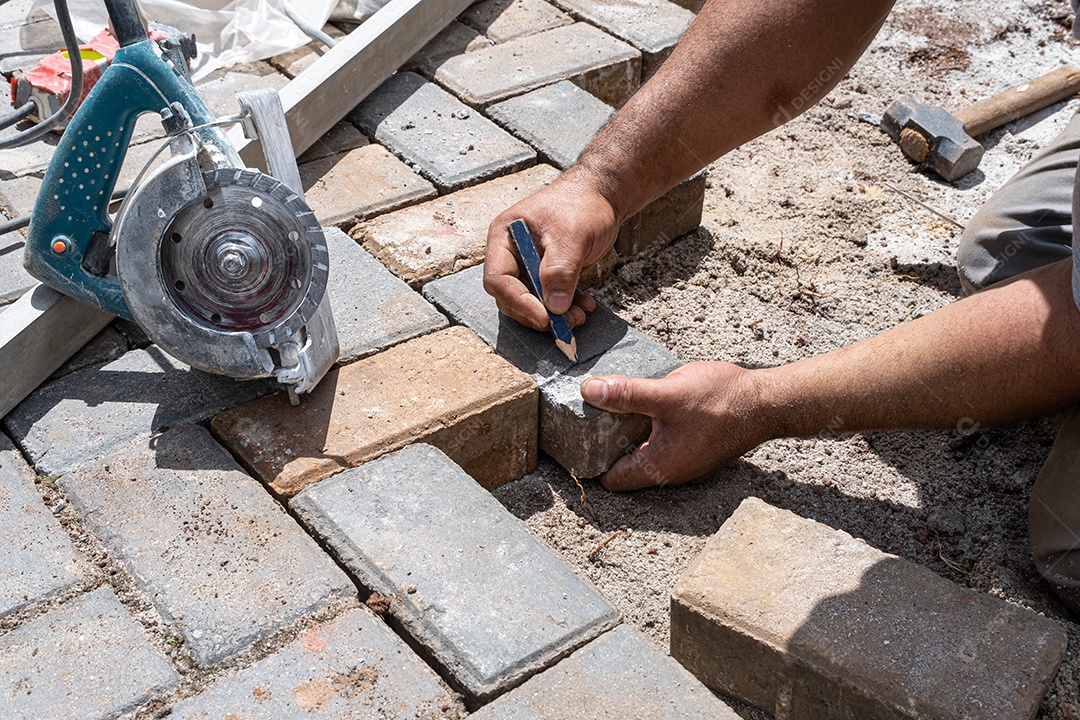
{"points": [[932, 135]]}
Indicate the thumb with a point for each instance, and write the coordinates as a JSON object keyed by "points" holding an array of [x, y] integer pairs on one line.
{"points": [[559, 271], [624, 395]]}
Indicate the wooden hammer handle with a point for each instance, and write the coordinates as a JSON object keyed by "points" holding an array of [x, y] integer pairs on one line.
{"points": [[1019, 101]]}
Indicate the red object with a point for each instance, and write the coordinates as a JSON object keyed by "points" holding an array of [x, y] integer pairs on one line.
{"points": [[53, 74], [48, 84]]}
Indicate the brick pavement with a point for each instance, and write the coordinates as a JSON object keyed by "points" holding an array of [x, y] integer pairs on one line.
{"points": [[231, 605]]}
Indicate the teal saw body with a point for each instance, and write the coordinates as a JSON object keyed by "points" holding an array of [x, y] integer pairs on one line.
{"points": [[225, 267]]}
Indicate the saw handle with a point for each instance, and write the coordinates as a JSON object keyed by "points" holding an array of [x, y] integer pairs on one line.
{"points": [[72, 207], [1019, 101]]}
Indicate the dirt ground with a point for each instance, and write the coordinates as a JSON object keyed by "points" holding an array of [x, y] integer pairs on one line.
{"points": [[806, 247]]}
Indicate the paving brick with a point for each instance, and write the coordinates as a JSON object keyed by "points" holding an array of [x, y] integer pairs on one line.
{"points": [[16, 13], [331, 672], [652, 26], [413, 527], [618, 675], [218, 557], [295, 61], [14, 280], [83, 415], [445, 235], [373, 310], [26, 35], [673, 214], [503, 20], [219, 89], [136, 158], [36, 556], [807, 622], [449, 143], [29, 159], [583, 439], [359, 184], [86, 659], [559, 120], [447, 389], [106, 346], [588, 57], [18, 195], [341, 138], [454, 39]]}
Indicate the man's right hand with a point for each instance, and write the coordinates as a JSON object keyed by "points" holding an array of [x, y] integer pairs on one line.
{"points": [[574, 225]]}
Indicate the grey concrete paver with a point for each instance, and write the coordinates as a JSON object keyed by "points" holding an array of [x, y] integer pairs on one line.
{"points": [[608, 68], [619, 675], [584, 440], [14, 280], [453, 563], [81, 416], [208, 545], [373, 309], [455, 39], [559, 120], [673, 214], [503, 20], [84, 660], [451, 144], [352, 667], [37, 558], [652, 26]]}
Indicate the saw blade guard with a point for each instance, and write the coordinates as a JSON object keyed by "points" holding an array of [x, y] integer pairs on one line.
{"points": [[227, 271]]}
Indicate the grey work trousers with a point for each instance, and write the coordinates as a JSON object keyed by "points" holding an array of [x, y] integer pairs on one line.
{"points": [[1024, 225]]}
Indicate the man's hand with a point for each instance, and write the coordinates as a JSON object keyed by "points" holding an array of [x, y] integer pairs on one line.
{"points": [[701, 421], [574, 226]]}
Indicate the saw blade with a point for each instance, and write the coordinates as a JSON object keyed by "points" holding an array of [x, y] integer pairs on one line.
{"points": [[246, 256]]}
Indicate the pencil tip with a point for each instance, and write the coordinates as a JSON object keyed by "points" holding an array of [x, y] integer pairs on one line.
{"points": [[569, 349]]}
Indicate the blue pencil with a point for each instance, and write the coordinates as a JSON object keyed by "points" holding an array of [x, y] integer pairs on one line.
{"points": [[530, 258]]}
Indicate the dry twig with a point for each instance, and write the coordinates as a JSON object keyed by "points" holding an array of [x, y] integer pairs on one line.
{"points": [[584, 500], [952, 564], [603, 543]]}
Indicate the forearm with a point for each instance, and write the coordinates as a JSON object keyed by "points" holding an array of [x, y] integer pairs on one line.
{"points": [[1008, 353], [743, 67]]}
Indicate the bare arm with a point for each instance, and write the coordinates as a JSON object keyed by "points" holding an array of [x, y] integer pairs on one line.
{"points": [[743, 67], [1007, 353]]}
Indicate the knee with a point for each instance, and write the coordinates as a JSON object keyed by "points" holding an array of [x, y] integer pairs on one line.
{"points": [[977, 255]]}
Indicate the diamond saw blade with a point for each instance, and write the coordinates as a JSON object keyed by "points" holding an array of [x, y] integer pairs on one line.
{"points": [[247, 256]]}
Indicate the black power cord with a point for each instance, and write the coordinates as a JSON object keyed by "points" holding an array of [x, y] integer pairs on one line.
{"points": [[36, 132]]}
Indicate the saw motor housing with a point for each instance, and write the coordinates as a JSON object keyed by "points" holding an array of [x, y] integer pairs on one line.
{"points": [[225, 267]]}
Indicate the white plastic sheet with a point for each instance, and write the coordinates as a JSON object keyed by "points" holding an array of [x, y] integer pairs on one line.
{"points": [[356, 10], [226, 31]]}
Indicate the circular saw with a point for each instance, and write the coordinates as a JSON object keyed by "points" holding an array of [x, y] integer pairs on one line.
{"points": [[224, 266]]}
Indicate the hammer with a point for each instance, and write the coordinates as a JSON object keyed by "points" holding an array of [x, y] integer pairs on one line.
{"points": [[945, 142]]}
